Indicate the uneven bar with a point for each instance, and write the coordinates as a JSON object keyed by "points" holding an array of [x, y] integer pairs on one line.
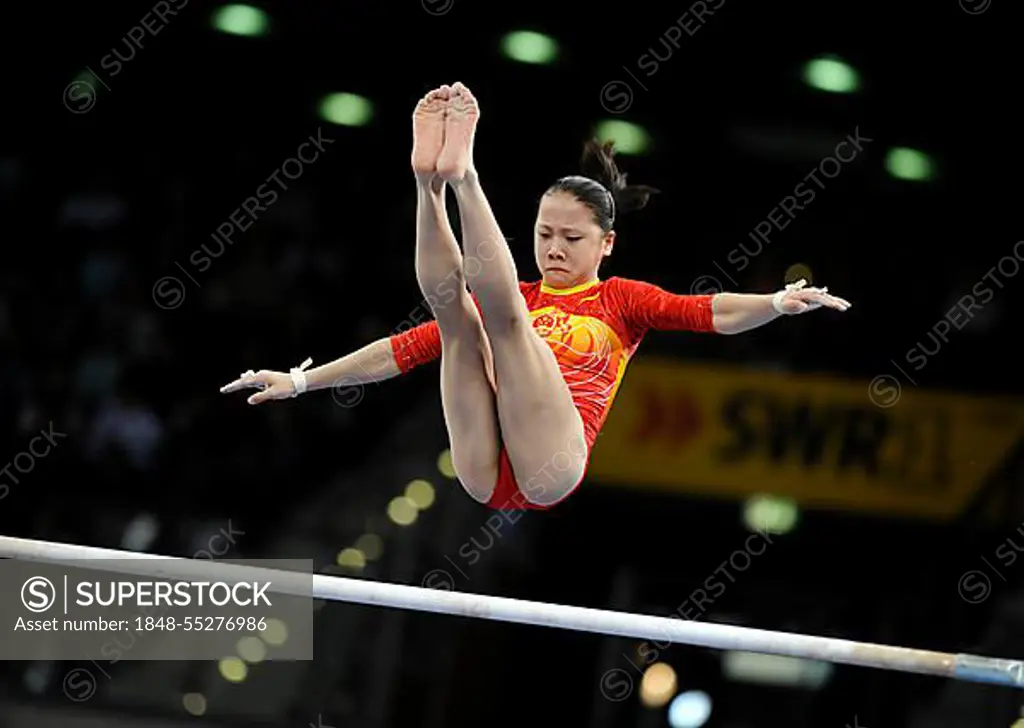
{"points": [[969, 668]]}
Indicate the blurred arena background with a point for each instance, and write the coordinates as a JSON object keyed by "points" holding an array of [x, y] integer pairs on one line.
{"points": [[854, 475]]}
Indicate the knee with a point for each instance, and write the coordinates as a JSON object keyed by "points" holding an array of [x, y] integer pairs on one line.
{"points": [[555, 479], [477, 472]]}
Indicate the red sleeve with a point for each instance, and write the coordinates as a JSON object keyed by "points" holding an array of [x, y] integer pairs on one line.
{"points": [[416, 346], [648, 307]]}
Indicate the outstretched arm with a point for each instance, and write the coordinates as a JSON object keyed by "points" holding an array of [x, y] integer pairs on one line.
{"points": [[376, 362], [735, 313], [373, 363], [383, 359], [649, 307]]}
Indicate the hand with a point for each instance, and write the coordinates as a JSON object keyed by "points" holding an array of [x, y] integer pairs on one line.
{"points": [[796, 299], [272, 385]]}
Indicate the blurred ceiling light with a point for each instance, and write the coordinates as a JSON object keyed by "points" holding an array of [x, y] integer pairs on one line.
{"points": [[781, 670], [276, 632], [402, 511], [346, 109], [690, 709], [658, 685], [770, 514], [87, 77], [252, 649], [444, 464], [797, 271], [37, 677], [140, 533], [195, 703], [233, 669], [628, 138], [528, 47], [371, 545], [351, 558], [421, 493], [831, 74], [241, 20], [909, 164]]}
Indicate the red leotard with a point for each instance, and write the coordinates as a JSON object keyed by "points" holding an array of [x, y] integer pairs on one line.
{"points": [[593, 329]]}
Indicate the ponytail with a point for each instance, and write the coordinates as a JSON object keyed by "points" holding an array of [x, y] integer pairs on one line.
{"points": [[602, 187], [598, 162]]}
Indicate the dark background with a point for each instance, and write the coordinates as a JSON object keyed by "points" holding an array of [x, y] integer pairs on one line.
{"points": [[99, 206]]}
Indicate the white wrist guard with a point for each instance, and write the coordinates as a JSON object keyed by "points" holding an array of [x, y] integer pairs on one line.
{"points": [[777, 301], [299, 378]]}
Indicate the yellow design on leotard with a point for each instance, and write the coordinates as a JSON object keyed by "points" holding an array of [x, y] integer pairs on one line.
{"points": [[590, 355]]}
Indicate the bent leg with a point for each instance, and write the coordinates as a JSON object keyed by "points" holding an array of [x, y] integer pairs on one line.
{"points": [[467, 391], [540, 426], [469, 402]]}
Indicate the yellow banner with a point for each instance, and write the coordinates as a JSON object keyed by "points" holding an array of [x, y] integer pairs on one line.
{"points": [[734, 432]]}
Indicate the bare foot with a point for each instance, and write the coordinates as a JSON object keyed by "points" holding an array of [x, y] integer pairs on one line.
{"points": [[428, 132], [459, 129]]}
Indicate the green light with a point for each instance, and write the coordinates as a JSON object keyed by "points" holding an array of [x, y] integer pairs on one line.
{"points": [[528, 47], [909, 164], [831, 74], [628, 138], [770, 514], [346, 109], [241, 20]]}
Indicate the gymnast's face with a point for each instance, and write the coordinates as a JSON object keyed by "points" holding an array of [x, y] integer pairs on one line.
{"points": [[568, 243]]}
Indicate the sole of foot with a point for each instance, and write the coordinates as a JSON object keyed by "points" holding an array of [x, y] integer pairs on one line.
{"points": [[428, 132], [456, 156]]}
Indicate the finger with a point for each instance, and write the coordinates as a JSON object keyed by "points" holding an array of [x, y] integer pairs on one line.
{"points": [[240, 383], [830, 300], [809, 298], [234, 386], [833, 302], [247, 380], [261, 397]]}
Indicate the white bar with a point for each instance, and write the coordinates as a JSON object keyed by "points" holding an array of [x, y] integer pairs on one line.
{"points": [[702, 634]]}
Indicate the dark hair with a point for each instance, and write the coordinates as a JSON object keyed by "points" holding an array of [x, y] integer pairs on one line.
{"points": [[602, 187]]}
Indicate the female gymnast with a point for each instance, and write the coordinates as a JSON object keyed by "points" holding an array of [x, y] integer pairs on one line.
{"points": [[528, 370]]}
